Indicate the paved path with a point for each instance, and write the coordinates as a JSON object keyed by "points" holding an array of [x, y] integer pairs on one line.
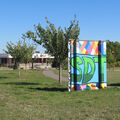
{"points": [[51, 74]]}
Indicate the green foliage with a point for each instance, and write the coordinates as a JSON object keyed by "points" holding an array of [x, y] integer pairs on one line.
{"points": [[118, 64], [28, 52], [55, 40], [15, 51], [65, 64], [21, 52], [113, 53], [49, 60]]}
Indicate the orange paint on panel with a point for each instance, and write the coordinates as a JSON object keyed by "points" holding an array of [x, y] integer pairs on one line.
{"points": [[83, 46]]}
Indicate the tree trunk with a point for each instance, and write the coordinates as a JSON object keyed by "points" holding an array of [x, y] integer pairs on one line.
{"points": [[60, 73], [32, 64], [19, 70], [25, 67], [109, 67], [15, 65], [113, 67]]}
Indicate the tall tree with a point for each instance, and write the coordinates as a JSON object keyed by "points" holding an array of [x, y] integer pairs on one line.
{"points": [[55, 41]]}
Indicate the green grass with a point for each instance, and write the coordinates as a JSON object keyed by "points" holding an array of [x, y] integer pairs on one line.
{"points": [[64, 72], [113, 77], [36, 97]]}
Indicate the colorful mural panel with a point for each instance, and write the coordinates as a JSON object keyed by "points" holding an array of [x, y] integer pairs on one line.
{"points": [[87, 65]]}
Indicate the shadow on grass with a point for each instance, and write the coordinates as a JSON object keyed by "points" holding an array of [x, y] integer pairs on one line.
{"points": [[115, 84], [54, 89], [20, 83], [11, 73], [3, 77]]}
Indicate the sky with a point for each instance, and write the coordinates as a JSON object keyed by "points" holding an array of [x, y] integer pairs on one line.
{"points": [[98, 19]]}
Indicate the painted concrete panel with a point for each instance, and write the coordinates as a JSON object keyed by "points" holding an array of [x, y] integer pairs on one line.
{"points": [[87, 65]]}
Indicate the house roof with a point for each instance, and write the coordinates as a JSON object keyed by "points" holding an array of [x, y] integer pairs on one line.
{"points": [[35, 55], [41, 55], [5, 55]]}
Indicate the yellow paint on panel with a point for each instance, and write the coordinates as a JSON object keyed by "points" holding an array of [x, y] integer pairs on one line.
{"points": [[84, 50], [102, 85], [72, 42]]}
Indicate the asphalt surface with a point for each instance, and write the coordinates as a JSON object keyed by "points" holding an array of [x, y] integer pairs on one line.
{"points": [[51, 74]]}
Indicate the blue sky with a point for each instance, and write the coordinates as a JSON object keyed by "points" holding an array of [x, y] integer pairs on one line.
{"points": [[98, 19]]}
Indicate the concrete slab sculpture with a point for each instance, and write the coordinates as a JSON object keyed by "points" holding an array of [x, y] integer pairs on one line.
{"points": [[87, 65]]}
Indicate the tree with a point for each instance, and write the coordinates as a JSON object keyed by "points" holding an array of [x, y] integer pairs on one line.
{"points": [[110, 55], [55, 41], [113, 53], [116, 51], [16, 52], [28, 52], [21, 52]]}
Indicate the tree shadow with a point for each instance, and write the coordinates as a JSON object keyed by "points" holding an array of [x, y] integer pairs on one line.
{"points": [[10, 73], [53, 89], [115, 84], [3, 77], [20, 83]]}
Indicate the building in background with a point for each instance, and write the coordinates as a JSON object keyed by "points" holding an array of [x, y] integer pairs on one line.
{"points": [[6, 60], [39, 60]]}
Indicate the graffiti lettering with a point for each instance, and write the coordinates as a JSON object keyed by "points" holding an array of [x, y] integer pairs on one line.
{"points": [[76, 62], [87, 76], [87, 64], [88, 70]]}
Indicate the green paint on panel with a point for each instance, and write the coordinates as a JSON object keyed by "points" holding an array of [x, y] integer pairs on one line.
{"points": [[87, 76], [76, 62], [76, 78]]}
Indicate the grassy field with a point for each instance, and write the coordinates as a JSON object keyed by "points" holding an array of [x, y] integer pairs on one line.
{"points": [[36, 97], [64, 72]]}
